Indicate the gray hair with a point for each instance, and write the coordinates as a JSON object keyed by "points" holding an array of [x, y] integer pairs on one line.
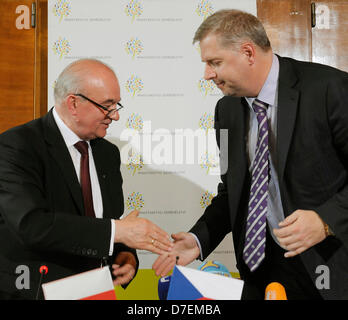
{"points": [[233, 27], [71, 79]]}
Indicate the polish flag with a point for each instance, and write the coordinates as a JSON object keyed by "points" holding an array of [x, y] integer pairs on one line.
{"points": [[90, 285]]}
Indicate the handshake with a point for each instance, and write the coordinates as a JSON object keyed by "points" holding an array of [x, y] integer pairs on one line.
{"points": [[140, 233]]}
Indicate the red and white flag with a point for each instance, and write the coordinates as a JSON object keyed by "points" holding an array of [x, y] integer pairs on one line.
{"points": [[90, 285]]}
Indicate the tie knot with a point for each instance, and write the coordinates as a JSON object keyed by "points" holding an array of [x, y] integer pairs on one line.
{"points": [[82, 147], [260, 107]]}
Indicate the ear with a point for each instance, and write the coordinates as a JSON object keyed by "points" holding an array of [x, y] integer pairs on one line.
{"points": [[71, 101], [248, 50]]}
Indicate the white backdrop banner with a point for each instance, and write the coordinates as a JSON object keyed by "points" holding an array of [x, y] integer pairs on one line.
{"points": [[170, 162]]}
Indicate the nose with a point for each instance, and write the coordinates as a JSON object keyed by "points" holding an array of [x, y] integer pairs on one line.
{"points": [[209, 72], [114, 116]]}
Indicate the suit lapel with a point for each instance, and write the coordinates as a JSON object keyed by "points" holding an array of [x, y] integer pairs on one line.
{"points": [[237, 157], [61, 155], [287, 109], [238, 153]]}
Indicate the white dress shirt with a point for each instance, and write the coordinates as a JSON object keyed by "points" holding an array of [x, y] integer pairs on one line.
{"points": [[70, 139]]}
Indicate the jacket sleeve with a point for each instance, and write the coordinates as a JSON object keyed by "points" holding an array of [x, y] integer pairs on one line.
{"points": [[335, 211]]}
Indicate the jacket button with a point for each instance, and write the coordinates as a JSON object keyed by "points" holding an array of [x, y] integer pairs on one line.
{"points": [[94, 252], [89, 251], [84, 251]]}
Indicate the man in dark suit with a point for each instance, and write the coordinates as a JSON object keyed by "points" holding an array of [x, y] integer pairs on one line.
{"points": [[61, 189], [284, 194]]}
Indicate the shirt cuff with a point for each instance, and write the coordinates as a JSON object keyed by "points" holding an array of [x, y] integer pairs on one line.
{"points": [[113, 224], [199, 245]]}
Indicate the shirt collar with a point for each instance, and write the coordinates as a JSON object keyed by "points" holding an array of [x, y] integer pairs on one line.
{"points": [[69, 136], [269, 88]]}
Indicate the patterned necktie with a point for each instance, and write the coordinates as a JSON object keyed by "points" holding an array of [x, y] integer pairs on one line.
{"points": [[255, 237], [82, 147]]}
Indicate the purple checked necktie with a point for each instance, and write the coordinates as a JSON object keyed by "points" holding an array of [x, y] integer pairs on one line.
{"points": [[255, 237]]}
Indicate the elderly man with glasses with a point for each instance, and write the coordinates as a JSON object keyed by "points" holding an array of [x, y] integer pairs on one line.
{"points": [[61, 189]]}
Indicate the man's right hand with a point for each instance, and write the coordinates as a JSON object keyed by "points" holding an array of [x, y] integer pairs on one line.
{"points": [[140, 233], [185, 248]]}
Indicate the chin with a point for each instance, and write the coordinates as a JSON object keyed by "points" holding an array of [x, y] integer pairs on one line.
{"points": [[101, 134], [233, 93], [228, 93]]}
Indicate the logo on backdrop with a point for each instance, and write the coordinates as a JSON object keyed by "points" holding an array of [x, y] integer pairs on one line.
{"points": [[135, 122], [135, 162], [206, 121], [206, 86], [61, 47], [133, 9], [204, 8], [62, 9], [206, 199], [134, 47], [135, 201], [134, 85], [209, 161]]}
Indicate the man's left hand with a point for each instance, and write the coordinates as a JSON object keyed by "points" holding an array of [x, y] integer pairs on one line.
{"points": [[124, 268], [300, 231]]}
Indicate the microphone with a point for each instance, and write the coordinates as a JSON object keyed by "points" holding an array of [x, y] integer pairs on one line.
{"points": [[163, 287], [43, 271], [275, 291]]}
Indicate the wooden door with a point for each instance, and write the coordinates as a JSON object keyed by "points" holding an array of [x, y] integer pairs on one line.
{"points": [[288, 25], [17, 64], [298, 31], [23, 62]]}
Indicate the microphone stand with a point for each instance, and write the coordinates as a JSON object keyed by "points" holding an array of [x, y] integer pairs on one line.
{"points": [[43, 271]]}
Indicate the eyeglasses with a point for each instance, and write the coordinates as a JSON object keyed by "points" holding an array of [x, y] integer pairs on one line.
{"points": [[110, 112]]}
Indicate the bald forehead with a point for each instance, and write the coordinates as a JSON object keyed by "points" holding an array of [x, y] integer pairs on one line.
{"points": [[88, 67]]}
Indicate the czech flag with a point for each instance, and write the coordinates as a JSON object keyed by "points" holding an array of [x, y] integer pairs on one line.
{"points": [[191, 284]]}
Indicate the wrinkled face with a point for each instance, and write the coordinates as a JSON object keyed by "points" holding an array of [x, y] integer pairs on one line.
{"points": [[90, 121], [228, 67]]}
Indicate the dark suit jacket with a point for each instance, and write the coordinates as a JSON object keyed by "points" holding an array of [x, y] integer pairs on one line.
{"points": [[312, 153], [41, 207]]}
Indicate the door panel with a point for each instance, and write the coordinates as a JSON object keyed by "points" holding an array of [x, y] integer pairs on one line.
{"points": [[41, 64], [17, 64], [288, 25]]}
